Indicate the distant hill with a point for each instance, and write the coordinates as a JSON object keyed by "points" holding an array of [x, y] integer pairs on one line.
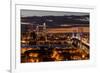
{"points": [[56, 20]]}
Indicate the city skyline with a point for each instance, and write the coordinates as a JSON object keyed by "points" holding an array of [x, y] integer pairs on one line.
{"points": [[54, 36]]}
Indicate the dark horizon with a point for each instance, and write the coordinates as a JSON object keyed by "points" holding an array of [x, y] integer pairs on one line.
{"points": [[56, 20]]}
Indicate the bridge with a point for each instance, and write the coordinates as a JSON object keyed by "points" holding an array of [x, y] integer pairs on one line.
{"points": [[81, 44]]}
